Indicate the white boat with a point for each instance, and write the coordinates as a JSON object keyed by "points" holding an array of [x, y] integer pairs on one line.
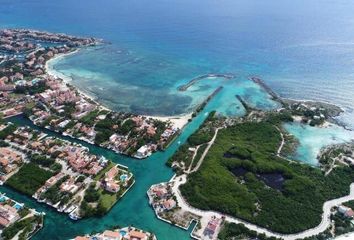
{"points": [[74, 216]]}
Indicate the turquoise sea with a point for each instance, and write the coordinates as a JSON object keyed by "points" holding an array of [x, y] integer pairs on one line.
{"points": [[303, 49]]}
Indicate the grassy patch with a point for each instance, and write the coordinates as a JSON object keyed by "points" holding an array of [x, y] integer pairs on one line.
{"points": [[29, 178], [199, 154], [108, 199]]}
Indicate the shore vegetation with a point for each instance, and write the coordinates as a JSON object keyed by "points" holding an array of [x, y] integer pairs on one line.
{"points": [[252, 183]]}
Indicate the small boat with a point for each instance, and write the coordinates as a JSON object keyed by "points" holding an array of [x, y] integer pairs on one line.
{"points": [[73, 216]]}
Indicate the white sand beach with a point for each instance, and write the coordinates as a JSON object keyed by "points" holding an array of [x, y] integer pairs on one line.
{"points": [[178, 121]]}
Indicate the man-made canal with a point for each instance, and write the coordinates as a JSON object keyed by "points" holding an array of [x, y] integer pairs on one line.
{"points": [[133, 208]]}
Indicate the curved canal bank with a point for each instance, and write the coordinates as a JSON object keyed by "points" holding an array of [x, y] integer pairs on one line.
{"points": [[323, 226], [133, 208]]}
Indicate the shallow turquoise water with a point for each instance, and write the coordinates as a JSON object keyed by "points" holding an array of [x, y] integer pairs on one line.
{"points": [[125, 83], [312, 139], [303, 49]]}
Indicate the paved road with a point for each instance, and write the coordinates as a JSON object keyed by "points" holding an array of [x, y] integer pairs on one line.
{"points": [[210, 143], [282, 141], [327, 206]]}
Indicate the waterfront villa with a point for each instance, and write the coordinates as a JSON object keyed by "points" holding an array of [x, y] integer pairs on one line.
{"points": [[110, 184], [127, 233]]}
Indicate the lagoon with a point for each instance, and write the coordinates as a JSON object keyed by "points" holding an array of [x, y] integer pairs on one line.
{"points": [[312, 139], [302, 49]]}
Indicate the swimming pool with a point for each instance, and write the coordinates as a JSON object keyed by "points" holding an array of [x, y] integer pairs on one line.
{"points": [[123, 177], [123, 233], [18, 206]]}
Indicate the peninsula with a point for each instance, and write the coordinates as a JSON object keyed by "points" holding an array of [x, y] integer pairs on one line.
{"points": [[234, 171], [59, 173]]}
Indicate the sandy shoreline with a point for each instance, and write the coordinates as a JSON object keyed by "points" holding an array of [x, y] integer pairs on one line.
{"points": [[178, 121], [66, 79]]}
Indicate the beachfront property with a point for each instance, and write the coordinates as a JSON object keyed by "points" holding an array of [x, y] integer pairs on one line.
{"points": [[63, 109], [61, 174], [17, 219], [127, 233], [52, 103], [74, 115]]}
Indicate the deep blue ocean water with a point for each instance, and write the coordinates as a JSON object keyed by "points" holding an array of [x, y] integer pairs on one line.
{"points": [[302, 49]]}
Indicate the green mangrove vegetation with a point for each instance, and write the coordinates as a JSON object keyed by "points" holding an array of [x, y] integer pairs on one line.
{"points": [[230, 231], [23, 227], [242, 176], [203, 135], [29, 178]]}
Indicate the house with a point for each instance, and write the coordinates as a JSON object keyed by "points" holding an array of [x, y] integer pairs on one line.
{"points": [[8, 157], [160, 191], [111, 235], [345, 211], [349, 213], [69, 186], [54, 179], [64, 123], [111, 184], [142, 152], [135, 235], [211, 227], [138, 120], [342, 209], [8, 215], [151, 131], [169, 204], [81, 238]]}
